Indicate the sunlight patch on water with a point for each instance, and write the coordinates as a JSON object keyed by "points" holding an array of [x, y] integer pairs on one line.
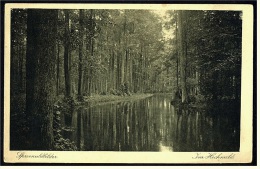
{"points": [[165, 103], [163, 148]]}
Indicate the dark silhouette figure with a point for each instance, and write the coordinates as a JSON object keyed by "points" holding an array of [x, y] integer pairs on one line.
{"points": [[176, 97]]}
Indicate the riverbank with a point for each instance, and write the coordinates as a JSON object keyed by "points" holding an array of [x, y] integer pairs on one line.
{"points": [[98, 99], [67, 104]]}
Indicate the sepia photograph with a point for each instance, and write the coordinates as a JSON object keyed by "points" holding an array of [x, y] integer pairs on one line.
{"points": [[102, 83]]}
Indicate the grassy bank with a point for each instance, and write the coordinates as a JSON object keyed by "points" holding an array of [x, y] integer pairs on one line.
{"points": [[114, 98]]}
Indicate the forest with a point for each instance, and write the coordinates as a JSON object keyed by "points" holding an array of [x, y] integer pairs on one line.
{"points": [[61, 59]]}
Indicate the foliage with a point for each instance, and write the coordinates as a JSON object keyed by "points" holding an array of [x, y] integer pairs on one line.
{"points": [[61, 144], [213, 40]]}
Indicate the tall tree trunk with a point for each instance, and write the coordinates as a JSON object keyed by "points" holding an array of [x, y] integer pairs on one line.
{"points": [[113, 69], [58, 70], [122, 67], [118, 71], [177, 57], [80, 52], [126, 66], [66, 56], [183, 53], [87, 58], [197, 81], [90, 47], [91, 80], [40, 76], [145, 70], [134, 76], [130, 71], [140, 77], [124, 54], [21, 53]]}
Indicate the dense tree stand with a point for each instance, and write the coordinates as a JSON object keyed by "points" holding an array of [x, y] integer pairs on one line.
{"points": [[81, 57]]}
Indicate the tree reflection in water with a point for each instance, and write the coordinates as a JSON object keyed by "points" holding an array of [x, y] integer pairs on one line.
{"points": [[152, 124]]}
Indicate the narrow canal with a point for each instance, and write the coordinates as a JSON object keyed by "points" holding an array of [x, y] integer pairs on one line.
{"points": [[153, 124]]}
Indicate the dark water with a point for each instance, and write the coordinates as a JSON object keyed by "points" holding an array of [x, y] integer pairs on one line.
{"points": [[153, 124]]}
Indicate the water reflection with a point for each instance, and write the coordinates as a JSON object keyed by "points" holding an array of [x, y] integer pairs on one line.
{"points": [[152, 124]]}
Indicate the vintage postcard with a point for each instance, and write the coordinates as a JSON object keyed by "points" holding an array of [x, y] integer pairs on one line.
{"points": [[128, 83]]}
